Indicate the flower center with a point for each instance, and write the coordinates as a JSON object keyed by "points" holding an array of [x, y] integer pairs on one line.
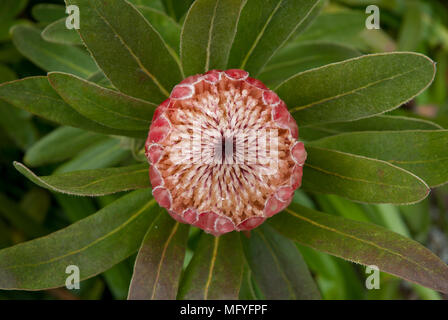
{"points": [[225, 150]]}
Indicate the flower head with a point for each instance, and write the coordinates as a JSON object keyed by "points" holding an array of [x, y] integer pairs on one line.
{"points": [[224, 153]]}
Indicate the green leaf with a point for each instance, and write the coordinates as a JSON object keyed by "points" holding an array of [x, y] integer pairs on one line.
{"points": [[57, 32], [128, 49], [208, 33], [159, 262], [424, 153], [97, 182], [52, 56], [216, 270], [359, 178], [277, 266], [48, 12], [309, 20], [356, 88], [36, 95], [61, 144], [175, 8], [103, 154], [18, 125], [264, 29], [350, 24], [377, 123], [100, 79], [299, 57], [107, 107], [363, 243], [107, 237], [165, 25]]}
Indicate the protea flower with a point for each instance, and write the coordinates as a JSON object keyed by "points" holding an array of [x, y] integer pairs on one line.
{"points": [[224, 153]]}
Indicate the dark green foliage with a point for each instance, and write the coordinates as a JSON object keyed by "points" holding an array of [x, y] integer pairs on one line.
{"points": [[76, 108]]}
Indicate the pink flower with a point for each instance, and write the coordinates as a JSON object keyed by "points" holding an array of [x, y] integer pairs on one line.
{"points": [[224, 153]]}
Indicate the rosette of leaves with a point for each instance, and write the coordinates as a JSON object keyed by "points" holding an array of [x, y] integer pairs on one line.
{"points": [[106, 79]]}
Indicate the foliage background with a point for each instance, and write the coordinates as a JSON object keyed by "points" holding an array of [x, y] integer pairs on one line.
{"points": [[27, 211]]}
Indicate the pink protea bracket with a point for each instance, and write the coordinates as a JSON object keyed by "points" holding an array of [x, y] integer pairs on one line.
{"points": [[230, 180]]}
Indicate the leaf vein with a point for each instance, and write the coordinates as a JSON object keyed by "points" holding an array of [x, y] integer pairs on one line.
{"points": [[353, 91], [373, 244], [212, 266], [260, 35], [355, 179], [210, 36], [140, 64], [162, 258]]}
